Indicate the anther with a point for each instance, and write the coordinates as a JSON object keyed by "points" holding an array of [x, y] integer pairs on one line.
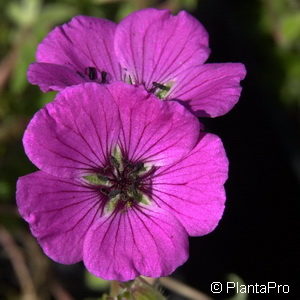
{"points": [[104, 191], [113, 193], [160, 86], [92, 73], [160, 90], [102, 177], [138, 167], [104, 77]]}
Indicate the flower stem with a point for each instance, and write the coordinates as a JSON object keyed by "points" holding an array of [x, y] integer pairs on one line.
{"points": [[114, 288]]}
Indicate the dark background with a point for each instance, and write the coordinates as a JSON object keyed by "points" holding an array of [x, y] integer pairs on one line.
{"points": [[257, 238]]}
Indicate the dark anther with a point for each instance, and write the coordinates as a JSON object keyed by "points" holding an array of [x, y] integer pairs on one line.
{"points": [[92, 73], [104, 191], [133, 190], [156, 85], [113, 193], [130, 79], [129, 165], [160, 86], [138, 167], [102, 177], [103, 77]]}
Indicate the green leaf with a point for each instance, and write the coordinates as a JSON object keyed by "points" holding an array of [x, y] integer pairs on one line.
{"points": [[25, 12], [291, 89], [96, 283], [189, 4], [46, 97], [5, 190], [19, 77], [57, 13], [290, 28], [125, 9]]}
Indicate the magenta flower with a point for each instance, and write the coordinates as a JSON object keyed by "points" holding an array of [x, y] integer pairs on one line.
{"points": [[150, 47], [124, 179]]}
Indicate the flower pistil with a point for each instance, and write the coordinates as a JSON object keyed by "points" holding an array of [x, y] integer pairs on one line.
{"points": [[123, 183]]}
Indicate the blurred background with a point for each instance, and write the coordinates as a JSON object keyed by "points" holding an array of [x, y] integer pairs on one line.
{"points": [[256, 241]]}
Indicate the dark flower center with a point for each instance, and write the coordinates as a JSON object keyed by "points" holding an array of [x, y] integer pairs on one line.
{"points": [[123, 183]]}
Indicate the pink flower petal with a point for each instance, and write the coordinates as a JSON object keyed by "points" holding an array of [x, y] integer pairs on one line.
{"points": [[59, 212], [193, 188], [74, 133], [210, 89], [144, 241], [152, 130], [52, 77], [152, 44], [83, 42]]}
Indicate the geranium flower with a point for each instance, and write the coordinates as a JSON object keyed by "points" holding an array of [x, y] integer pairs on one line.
{"points": [[150, 47], [124, 179]]}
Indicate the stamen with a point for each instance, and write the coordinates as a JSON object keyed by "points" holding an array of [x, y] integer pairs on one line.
{"points": [[133, 193], [146, 170], [138, 167], [160, 90], [113, 193], [104, 77], [92, 73], [127, 77], [130, 79], [160, 86], [104, 191]]}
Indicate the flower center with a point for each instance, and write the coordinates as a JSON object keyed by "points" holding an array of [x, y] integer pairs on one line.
{"points": [[123, 183]]}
